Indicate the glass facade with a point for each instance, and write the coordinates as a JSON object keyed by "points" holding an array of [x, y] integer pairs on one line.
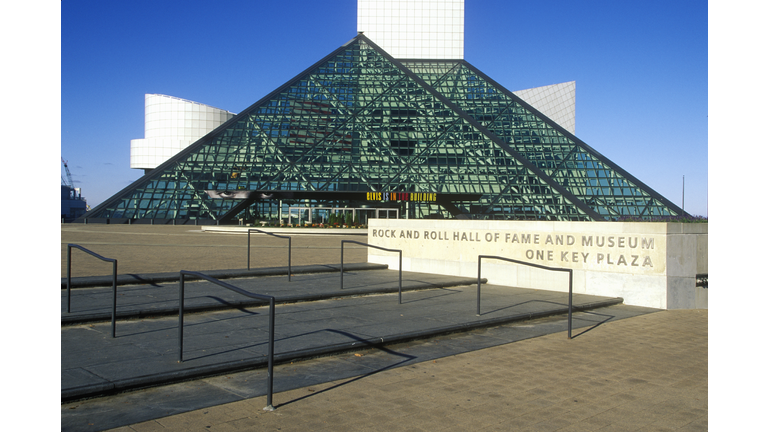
{"points": [[389, 134]]}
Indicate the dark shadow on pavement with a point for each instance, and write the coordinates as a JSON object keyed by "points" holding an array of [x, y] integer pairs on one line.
{"points": [[449, 292], [525, 302], [140, 280], [610, 317], [365, 343], [190, 325]]}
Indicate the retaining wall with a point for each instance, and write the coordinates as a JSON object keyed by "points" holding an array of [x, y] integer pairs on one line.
{"points": [[651, 264]]}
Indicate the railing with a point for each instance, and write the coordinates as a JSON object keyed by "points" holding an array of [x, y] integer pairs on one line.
{"points": [[274, 235], [400, 266], [570, 283], [114, 279], [271, 348]]}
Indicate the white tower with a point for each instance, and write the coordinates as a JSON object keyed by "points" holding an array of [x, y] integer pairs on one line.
{"points": [[414, 29], [434, 30], [170, 125]]}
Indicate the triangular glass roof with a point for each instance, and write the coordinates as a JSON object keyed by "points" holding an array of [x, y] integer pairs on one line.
{"points": [[595, 180], [360, 122]]}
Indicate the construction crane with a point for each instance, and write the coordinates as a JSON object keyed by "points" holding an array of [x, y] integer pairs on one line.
{"points": [[68, 181], [73, 205]]}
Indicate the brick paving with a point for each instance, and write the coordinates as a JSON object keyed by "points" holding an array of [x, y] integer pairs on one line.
{"points": [[644, 373], [168, 248]]}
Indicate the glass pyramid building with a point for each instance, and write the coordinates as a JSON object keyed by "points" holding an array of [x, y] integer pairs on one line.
{"points": [[360, 129]]}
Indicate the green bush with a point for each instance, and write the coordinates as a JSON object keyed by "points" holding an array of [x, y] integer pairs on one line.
{"points": [[680, 219]]}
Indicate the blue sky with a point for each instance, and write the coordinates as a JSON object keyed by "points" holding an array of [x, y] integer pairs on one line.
{"points": [[641, 72]]}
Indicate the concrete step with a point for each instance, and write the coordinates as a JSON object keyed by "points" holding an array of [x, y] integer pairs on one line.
{"points": [[309, 283], [145, 351]]}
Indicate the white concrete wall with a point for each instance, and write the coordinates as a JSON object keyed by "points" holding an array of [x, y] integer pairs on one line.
{"points": [[170, 125], [687, 246], [648, 264]]}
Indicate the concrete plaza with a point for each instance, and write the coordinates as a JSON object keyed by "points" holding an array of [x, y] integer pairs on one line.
{"points": [[641, 370]]}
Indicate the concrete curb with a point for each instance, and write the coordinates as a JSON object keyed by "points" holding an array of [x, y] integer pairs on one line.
{"points": [[285, 230], [155, 278]]}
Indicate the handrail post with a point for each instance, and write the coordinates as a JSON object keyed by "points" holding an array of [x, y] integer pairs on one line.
{"points": [[289, 259], [271, 346], [342, 265], [181, 317], [270, 355], [400, 289], [273, 235], [114, 280], [69, 275], [114, 295], [478, 284], [570, 283], [400, 264], [570, 301]]}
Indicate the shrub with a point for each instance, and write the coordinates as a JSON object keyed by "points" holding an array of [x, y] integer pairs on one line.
{"points": [[679, 219]]}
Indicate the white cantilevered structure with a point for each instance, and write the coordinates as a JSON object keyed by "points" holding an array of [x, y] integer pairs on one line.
{"points": [[170, 125]]}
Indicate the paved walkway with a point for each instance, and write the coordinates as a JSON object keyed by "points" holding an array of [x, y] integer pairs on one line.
{"points": [[626, 368], [647, 373], [167, 248]]}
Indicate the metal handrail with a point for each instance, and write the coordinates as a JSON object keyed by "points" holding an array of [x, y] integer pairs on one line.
{"points": [[400, 252], [274, 235], [570, 283], [114, 279], [271, 300]]}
